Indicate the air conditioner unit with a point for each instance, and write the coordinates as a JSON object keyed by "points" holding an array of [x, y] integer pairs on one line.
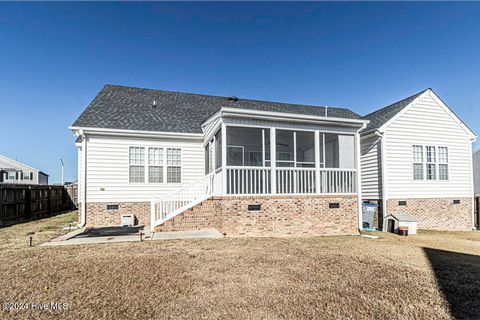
{"points": [[128, 220]]}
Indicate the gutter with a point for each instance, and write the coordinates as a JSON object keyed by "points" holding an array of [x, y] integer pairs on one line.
{"points": [[138, 133], [383, 146], [359, 176], [84, 179], [291, 117]]}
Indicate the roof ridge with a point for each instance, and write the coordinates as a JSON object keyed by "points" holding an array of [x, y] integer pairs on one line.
{"points": [[126, 107], [224, 97]]}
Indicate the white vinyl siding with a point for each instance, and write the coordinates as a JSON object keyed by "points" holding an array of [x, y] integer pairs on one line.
{"points": [[371, 168], [108, 168], [426, 123]]}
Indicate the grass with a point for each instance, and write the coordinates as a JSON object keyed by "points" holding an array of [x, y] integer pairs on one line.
{"points": [[431, 275]]}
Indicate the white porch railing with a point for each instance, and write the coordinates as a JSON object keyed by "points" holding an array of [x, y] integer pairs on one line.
{"points": [[248, 180], [257, 180], [338, 181], [296, 180], [177, 202]]}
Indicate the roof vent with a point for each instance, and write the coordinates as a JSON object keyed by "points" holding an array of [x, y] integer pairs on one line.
{"points": [[154, 105], [232, 99]]}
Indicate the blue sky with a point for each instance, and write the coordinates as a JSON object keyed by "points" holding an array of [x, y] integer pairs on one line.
{"points": [[54, 58]]}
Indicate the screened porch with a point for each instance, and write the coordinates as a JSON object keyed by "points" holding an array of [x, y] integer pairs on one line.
{"points": [[248, 160]]}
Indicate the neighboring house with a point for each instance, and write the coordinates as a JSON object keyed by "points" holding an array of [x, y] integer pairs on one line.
{"points": [[476, 172], [244, 167], [416, 159], [180, 161], [12, 171]]}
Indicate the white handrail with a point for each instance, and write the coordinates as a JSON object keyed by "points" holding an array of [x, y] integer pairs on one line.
{"points": [[169, 206]]}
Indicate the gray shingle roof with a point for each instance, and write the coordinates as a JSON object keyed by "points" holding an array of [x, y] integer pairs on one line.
{"points": [[120, 107], [381, 116]]}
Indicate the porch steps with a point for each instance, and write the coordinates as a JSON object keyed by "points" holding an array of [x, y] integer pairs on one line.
{"points": [[199, 217]]}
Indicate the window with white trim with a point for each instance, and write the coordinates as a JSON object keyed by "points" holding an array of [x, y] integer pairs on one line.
{"points": [[26, 175], [155, 165], [136, 161], [431, 159], [174, 169], [417, 162], [442, 163]]}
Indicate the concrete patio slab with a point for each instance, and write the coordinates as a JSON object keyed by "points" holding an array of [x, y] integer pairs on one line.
{"points": [[174, 235]]}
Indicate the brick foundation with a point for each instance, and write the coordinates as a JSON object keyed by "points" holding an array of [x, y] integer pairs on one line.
{"points": [[279, 216], [99, 216], [436, 214]]}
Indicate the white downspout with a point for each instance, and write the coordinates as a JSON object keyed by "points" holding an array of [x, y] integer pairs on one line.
{"points": [[84, 180], [359, 176], [383, 161]]}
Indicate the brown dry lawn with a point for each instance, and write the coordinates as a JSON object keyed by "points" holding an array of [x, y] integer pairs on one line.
{"points": [[431, 275]]}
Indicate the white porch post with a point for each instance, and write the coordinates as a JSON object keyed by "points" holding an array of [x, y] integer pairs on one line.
{"points": [[273, 160], [317, 161], [224, 158], [358, 166], [213, 155]]}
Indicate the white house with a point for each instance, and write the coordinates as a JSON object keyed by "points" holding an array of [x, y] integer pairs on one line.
{"points": [[181, 161], [416, 159], [12, 171]]}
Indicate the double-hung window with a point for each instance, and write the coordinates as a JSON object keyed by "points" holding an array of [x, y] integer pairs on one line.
{"points": [[431, 160], [442, 163], [174, 169], [155, 165], [417, 162], [151, 164], [136, 160]]}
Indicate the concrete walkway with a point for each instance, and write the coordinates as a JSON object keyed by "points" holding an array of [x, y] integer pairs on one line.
{"points": [[71, 239]]}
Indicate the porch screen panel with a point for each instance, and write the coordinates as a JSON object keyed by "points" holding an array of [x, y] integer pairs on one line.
{"points": [[218, 149], [305, 146], [346, 150], [337, 151], [248, 147], [285, 148], [245, 146]]}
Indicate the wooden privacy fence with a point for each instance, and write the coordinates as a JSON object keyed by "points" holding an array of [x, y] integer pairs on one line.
{"points": [[29, 202]]}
